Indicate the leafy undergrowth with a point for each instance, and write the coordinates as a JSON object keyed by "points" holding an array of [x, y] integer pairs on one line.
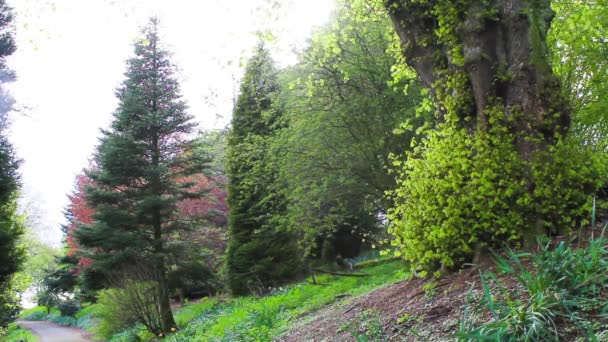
{"points": [[266, 318], [16, 333], [245, 318], [558, 293], [561, 293]]}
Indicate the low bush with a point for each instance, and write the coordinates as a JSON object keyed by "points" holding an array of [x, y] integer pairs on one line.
{"points": [[56, 317], [119, 309], [16, 333], [460, 193], [38, 313], [68, 307]]}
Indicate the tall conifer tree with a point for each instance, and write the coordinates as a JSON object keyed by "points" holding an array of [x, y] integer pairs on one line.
{"points": [[259, 255], [141, 164], [12, 253]]}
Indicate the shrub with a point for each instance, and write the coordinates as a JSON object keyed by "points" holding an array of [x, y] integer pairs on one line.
{"points": [[460, 193], [16, 333], [37, 313], [68, 307], [122, 308], [56, 317], [193, 276]]}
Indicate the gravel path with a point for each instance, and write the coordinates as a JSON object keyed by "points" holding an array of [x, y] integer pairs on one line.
{"points": [[51, 332]]}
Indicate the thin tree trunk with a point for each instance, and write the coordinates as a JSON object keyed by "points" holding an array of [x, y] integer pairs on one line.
{"points": [[166, 314]]}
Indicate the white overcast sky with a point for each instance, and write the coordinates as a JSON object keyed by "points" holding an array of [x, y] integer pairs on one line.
{"points": [[71, 56]]}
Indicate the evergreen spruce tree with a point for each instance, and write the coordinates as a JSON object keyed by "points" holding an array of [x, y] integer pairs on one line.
{"points": [[12, 253], [258, 254], [141, 165]]}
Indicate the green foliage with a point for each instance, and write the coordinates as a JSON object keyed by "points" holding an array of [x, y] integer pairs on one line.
{"points": [[68, 307], [577, 41], [142, 167], [349, 104], [222, 319], [37, 313], [12, 249], [12, 229], [10, 298], [86, 318], [561, 284], [214, 143], [119, 309], [56, 317], [460, 194], [56, 283], [16, 333], [266, 318], [259, 256], [191, 276], [12, 257], [367, 328]]}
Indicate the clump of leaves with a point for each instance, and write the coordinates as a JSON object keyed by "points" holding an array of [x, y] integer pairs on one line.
{"points": [[563, 294], [459, 193], [430, 288], [366, 327]]}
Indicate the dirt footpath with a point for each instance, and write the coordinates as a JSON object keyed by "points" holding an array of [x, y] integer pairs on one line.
{"points": [[51, 332]]}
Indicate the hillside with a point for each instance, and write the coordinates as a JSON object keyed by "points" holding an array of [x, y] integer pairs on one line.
{"points": [[558, 292]]}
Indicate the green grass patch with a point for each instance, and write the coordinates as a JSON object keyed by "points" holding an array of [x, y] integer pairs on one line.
{"points": [[265, 318], [38, 313], [16, 333]]}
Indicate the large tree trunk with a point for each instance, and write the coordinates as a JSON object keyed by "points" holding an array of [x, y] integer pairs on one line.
{"points": [[499, 48], [475, 57]]}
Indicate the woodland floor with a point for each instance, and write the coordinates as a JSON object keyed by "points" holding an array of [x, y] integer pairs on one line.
{"points": [[404, 309]]}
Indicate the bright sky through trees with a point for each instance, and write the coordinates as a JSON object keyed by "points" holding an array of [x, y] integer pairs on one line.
{"points": [[71, 56]]}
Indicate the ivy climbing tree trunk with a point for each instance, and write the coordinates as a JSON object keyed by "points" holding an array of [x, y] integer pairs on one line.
{"points": [[482, 56], [476, 54]]}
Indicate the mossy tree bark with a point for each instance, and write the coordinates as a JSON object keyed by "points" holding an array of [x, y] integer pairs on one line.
{"points": [[477, 56]]}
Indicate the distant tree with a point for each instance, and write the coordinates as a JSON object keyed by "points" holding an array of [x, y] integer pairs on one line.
{"points": [[348, 114], [577, 40], [258, 254], [12, 253], [140, 164], [78, 213], [206, 214]]}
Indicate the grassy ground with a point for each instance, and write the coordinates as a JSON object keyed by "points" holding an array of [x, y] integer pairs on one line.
{"points": [[248, 318], [15, 333], [559, 292], [265, 318]]}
